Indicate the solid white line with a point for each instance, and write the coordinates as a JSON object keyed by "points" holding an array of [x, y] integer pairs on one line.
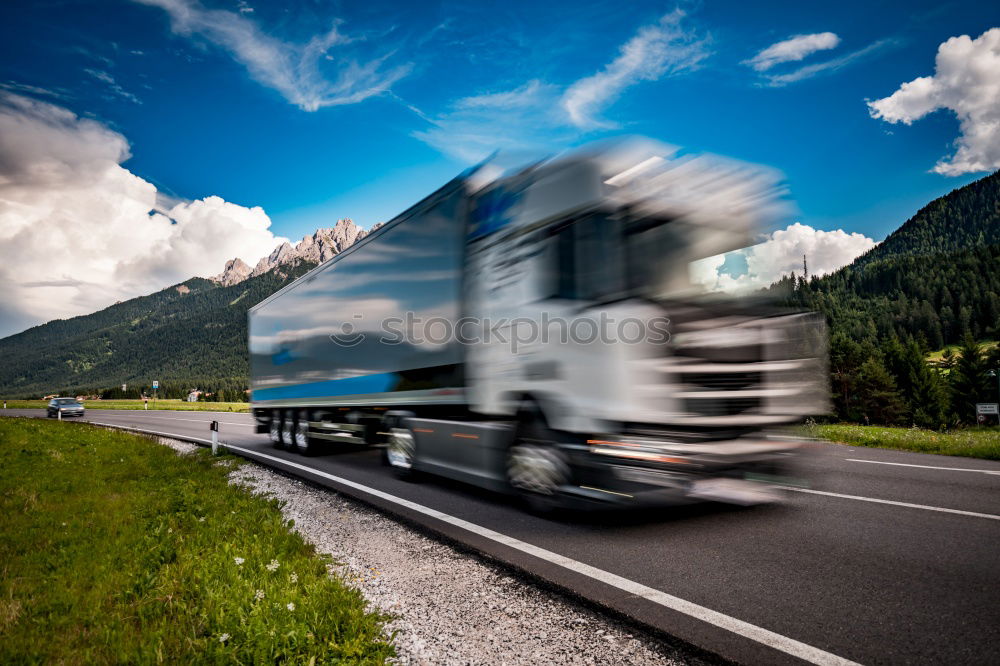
{"points": [[739, 627], [953, 469], [169, 418], [150, 432], [894, 503]]}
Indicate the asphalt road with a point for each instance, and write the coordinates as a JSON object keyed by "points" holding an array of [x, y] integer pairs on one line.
{"points": [[889, 558]]}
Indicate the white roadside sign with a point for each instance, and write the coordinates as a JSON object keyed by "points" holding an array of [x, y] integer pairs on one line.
{"points": [[987, 409]]}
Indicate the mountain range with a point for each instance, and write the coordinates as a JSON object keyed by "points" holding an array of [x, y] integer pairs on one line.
{"points": [[937, 276]]}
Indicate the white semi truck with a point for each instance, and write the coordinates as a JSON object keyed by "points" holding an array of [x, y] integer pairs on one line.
{"points": [[539, 332]]}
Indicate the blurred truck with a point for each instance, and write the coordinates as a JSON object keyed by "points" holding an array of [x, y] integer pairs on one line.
{"points": [[543, 332]]}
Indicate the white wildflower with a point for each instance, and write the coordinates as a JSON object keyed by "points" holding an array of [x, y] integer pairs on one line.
{"points": [[223, 638], [273, 566], [290, 606], [202, 519], [239, 561], [295, 577], [259, 595]]}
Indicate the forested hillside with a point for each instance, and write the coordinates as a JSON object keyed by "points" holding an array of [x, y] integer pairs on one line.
{"points": [[964, 218], [935, 281], [189, 335]]}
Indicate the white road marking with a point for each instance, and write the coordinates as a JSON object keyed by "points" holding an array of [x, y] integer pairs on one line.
{"points": [[771, 639], [953, 469], [973, 514], [172, 418], [777, 641], [151, 432]]}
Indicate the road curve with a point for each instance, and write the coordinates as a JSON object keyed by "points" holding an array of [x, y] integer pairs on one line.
{"points": [[889, 557]]}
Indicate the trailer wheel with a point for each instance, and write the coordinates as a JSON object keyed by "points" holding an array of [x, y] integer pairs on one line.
{"points": [[303, 442], [274, 430], [288, 431], [401, 452], [536, 466]]}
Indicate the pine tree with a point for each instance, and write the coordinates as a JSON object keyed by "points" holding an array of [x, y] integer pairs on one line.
{"points": [[969, 380], [878, 396]]}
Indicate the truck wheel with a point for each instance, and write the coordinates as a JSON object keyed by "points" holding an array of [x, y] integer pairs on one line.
{"points": [[288, 431], [274, 431], [401, 452], [303, 442], [536, 467]]}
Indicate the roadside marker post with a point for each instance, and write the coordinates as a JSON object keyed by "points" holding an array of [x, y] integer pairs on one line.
{"points": [[215, 437]]}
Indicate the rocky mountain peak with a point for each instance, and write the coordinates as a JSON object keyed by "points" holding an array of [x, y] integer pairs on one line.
{"points": [[235, 271], [322, 246]]}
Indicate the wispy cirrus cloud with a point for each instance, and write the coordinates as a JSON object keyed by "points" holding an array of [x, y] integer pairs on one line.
{"points": [[798, 48], [792, 49], [113, 85], [524, 119], [828, 66], [538, 116], [319, 73], [664, 48]]}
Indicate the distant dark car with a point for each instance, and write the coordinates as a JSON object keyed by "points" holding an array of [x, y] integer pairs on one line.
{"points": [[67, 406]]}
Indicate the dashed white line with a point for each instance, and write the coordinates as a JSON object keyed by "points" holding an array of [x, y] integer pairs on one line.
{"points": [[973, 514], [953, 469]]}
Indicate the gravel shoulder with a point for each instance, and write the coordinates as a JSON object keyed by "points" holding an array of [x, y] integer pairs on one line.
{"points": [[450, 607]]}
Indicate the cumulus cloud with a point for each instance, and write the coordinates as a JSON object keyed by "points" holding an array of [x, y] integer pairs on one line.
{"points": [[793, 49], [781, 253], [79, 232], [656, 50], [297, 71], [966, 81]]}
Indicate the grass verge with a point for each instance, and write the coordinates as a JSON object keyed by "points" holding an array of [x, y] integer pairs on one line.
{"points": [[115, 549], [177, 405], [969, 442]]}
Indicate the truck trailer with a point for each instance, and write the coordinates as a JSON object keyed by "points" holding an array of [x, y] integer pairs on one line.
{"points": [[539, 332]]}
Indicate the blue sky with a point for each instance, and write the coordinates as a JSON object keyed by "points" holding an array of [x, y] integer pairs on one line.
{"points": [[200, 123], [314, 111]]}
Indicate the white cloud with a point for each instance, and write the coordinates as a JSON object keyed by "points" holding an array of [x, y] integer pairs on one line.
{"points": [[294, 70], [537, 118], [104, 77], [658, 49], [781, 254], [793, 49], [79, 232], [828, 66], [523, 120], [966, 81]]}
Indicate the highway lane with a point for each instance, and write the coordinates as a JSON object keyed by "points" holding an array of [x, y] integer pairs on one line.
{"points": [[868, 582]]}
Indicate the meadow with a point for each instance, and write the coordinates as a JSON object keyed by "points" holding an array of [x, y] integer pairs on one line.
{"points": [[115, 549], [968, 442]]}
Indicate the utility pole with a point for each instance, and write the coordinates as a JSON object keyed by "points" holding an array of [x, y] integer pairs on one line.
{"points": [[805, 268]]}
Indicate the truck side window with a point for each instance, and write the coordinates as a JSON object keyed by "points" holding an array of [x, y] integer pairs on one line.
{"points": [[585, 260]]}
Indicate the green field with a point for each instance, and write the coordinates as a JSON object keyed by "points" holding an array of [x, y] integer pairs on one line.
{"points": [[969, 442], [113, 549], [179, 405]]}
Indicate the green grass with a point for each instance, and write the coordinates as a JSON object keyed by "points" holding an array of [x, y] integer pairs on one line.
{"points": [[113, 549], [178, 405], [938, 355], [969, 442]]}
